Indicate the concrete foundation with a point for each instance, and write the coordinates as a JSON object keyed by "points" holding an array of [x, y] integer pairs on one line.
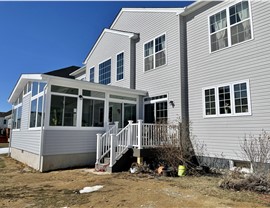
{"points": [[25, 157], [54, 162]]}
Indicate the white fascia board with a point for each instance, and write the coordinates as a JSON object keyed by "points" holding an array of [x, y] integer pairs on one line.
{"points": [[194, 6], [24, 78], [128, 34], [90, 85], [83, 68], [177, 11]]}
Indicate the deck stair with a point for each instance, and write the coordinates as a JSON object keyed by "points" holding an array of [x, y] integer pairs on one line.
{"points": [[114, 146]]}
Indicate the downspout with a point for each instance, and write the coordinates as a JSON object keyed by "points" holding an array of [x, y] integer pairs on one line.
{"points": [[10, 132], [42, 129]]}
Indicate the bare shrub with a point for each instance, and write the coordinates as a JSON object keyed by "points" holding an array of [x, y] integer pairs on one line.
{"points": [[256, 150], [175, 146], [238, 181]]}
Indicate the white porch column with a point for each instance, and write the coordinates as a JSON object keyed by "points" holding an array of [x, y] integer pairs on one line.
{"points": [[140, 122], [112, 156], [116, 123], [98, 148], [129, 143]]}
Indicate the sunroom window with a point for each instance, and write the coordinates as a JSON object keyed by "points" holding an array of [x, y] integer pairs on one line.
{"points": [[155, 53], [230, 26], [231, 99], [93, 113], [63, 111], [17, 116]]}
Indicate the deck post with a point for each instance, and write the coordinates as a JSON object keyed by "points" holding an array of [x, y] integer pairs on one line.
{"points": [[116, 123], [98, 148], [112, 155], [140, 134], [129, 139]]}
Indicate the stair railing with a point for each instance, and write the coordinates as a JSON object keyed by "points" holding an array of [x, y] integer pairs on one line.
{"points": [[104, 143]]}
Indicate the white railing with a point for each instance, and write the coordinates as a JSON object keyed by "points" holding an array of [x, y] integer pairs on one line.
{"points": [[138, 135], [104, 142]]}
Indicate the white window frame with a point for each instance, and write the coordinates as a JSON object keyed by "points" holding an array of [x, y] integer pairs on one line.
{"points": [[232, 99], [110, 58], [116, 66], [154, 53], [227, 8], [93, 67], [15, 108], [92, 98], [37, 96]]}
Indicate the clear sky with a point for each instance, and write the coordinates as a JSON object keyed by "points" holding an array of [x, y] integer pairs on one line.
{"points": [[36, 37]]}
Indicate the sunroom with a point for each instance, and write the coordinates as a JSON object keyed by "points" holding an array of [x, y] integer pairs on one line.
{"points": [[61, 121]]}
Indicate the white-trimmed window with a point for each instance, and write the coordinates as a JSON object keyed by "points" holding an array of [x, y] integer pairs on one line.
{"points": [[155, 53], [93, 109], [17, 115], [92, 74], [36, 104], [120, 66], [230, 26], [63, 110], [227, 99], [105, 72], [27, 88]]}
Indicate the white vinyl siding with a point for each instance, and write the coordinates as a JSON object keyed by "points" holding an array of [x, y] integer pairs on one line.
{"points": [[230, 26]]}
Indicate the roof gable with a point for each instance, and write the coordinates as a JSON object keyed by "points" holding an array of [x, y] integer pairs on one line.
{"points": [[177, 11], [130, 35]]}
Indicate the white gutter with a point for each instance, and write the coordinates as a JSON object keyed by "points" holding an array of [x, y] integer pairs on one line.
{"points": [[42, 129]]}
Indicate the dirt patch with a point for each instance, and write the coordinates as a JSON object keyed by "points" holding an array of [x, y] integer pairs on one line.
{"points": [[21, 188]]}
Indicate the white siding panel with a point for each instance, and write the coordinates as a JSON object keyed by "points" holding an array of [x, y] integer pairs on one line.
{"points": [[166, 79], [68, 142], [109, 46], [25, 139], [249, 60]]}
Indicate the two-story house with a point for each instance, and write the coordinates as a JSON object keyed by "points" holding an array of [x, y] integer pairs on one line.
{"points": [[196, 64]]}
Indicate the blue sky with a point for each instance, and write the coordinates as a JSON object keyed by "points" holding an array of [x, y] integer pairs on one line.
{"points": [[36, 37]]}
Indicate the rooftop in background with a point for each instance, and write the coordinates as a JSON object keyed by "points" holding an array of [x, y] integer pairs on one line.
{"points": [[4, 114], [64, 72]]}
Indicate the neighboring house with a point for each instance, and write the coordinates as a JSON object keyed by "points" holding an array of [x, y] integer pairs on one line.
{"points": [[197, 64], [4, 119]]}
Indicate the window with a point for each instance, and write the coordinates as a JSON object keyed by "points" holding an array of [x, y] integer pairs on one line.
{"points": [[93, 94], [93, 113], [156, 109], [63, 111], [36, 104], [36, 112], [230, 26], [66, 90], [5, 121], [92, 74], [120, 66], [229, 99], [105, 72], [27, 88], [210, 102], [35, 88], [155, 53], [17, 116]]}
